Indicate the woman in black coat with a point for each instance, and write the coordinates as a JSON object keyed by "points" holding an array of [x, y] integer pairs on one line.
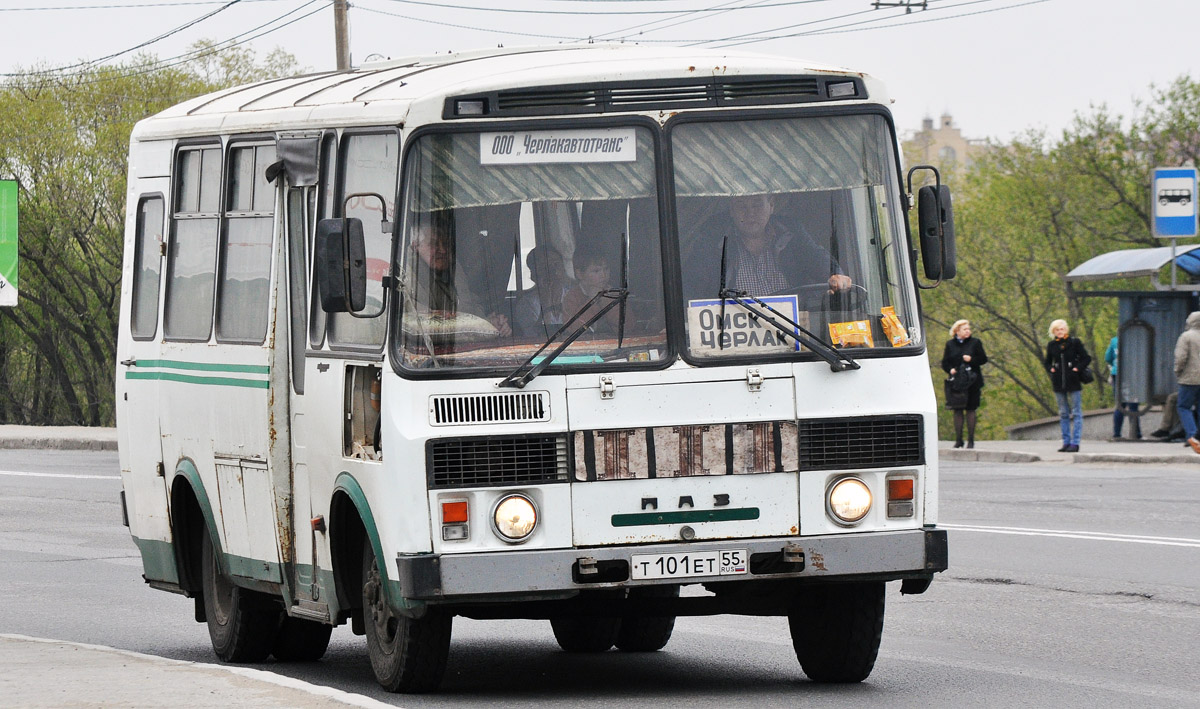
{"points": [[1066, 357], [962, 360]]}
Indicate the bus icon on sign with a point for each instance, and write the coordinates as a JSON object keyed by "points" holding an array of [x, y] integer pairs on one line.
{"points": [[1180, 197]]}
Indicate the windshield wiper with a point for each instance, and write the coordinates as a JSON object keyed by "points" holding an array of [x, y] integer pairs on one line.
{"points": [[518, 380], [838, 360]]}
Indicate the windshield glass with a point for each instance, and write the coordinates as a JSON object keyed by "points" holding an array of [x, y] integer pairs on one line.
{"points": [[508, 234], [801, 213]]}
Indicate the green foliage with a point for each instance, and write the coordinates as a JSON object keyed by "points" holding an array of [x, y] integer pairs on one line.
{"points": [[65, 136], [1028, 213]]}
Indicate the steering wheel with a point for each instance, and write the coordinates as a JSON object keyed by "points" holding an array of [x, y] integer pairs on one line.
{"points": [[816, 296], [852, 299]]}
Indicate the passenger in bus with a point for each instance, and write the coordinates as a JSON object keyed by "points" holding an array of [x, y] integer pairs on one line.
{"points": [[434, 281], [762, 256], [538, 311], [592, 275]]}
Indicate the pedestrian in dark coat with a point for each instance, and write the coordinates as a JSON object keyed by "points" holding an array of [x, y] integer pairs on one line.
{"points": [[963, 359], [1065, 358]]}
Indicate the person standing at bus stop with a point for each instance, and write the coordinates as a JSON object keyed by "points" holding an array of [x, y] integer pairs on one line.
{"points": [[1065, 359], [962, 359], [1187, 373], [1112, 357]]}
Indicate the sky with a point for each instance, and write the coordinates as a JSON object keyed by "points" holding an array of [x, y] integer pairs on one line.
{"points": [[999, 67]]}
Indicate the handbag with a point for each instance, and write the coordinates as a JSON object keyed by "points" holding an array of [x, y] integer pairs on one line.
{"points": [[956, 398], [1086, 376]]}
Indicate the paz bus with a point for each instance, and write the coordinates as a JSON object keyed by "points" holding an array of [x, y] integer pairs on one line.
{"points": [[599, 335]]}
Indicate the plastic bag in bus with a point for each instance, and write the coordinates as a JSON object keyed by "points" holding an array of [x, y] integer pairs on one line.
{"points": [[892, 327], [855, 333]]}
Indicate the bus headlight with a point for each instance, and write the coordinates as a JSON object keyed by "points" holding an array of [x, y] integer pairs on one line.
{"points": [[514, 518], [849, 501]]}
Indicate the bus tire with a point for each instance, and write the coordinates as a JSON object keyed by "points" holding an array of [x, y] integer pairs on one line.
{"points": [[586, 634], [647, 634], [407, 654], [301, 640], [836, 630], [242, 624]]}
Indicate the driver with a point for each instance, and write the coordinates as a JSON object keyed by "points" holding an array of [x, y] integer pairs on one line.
{"points": [[761, 257], [438, 286]]}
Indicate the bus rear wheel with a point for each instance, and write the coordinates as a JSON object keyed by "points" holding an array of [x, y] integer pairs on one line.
{"points": [[407, 654], [647, 634], [301, 640], [836, 630], [242, 624]]}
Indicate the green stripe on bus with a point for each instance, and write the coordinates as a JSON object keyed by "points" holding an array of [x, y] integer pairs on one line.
{"points": [[191, 379], [202, 366], [684, 516]]}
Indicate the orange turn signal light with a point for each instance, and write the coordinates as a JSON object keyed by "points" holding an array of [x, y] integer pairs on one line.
{"points": [[900, 489], [454, 512]]}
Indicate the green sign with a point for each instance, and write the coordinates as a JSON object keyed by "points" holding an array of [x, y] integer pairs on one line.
{"points": [[8, 242]]}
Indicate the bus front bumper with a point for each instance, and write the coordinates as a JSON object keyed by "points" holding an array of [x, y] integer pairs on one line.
{"points": [[905, 554]]}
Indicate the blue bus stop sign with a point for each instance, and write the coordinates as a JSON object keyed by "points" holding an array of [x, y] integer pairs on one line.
{"points": [[1173, 194]]}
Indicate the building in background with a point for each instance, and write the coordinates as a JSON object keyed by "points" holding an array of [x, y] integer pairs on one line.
{"points": [[943, 145]]}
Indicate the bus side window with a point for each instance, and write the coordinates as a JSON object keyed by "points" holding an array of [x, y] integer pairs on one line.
{"points": [[191, 261], [369, 165], [245, 259], [147, 267]]}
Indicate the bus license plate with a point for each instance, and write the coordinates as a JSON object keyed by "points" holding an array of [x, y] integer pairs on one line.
{"points": [[706, 563]]}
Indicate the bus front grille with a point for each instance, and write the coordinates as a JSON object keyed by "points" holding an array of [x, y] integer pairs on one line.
{"points": [[462, 409], [866, 442], [497, 460]]}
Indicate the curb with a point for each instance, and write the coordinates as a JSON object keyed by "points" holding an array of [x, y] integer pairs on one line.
{"points": [[987, 456], [1129, 458], [50, 443]]}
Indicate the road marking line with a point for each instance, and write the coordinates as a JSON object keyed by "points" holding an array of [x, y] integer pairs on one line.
{"points": [[59, 475], [1067, 534], [339, 695]]}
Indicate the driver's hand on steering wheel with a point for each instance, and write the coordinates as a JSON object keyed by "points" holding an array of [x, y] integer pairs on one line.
{"points": [[839, 283]]}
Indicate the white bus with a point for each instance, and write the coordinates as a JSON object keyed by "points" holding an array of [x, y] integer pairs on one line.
{"points": [[546, 333]]}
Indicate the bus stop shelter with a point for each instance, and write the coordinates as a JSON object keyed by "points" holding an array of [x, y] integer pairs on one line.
{"points": [[1150, 320]]}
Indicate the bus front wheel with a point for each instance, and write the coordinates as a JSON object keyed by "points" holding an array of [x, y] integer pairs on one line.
{"points": [[585, 634], [836, 630], [407, 654], [241, 623], [648, 634]]}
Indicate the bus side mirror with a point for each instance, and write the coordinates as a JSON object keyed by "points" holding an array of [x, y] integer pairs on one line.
{"points": [[935, 217], [341, 262]]}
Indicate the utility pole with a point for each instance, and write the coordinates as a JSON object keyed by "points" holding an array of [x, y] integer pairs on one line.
{"points": [[341, 35]]}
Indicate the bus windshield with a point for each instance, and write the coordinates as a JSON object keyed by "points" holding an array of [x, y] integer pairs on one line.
{"points": [[509, 234], [793, 217]]}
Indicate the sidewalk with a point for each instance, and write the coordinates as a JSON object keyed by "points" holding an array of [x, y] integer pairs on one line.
{"points": [[1147, 450], [49, 673]]}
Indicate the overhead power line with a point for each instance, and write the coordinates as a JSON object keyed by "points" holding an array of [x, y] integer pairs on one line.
{"points": [[126, 6], [147, 43], [513, 10], [234, 41]]}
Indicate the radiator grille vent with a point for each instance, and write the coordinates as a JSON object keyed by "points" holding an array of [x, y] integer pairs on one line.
{"points": [[497, 460], [832, 444], [464, 409], [656, 95]]}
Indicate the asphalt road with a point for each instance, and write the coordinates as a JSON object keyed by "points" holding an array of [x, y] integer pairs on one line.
{"points": [[1069, 586]]}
